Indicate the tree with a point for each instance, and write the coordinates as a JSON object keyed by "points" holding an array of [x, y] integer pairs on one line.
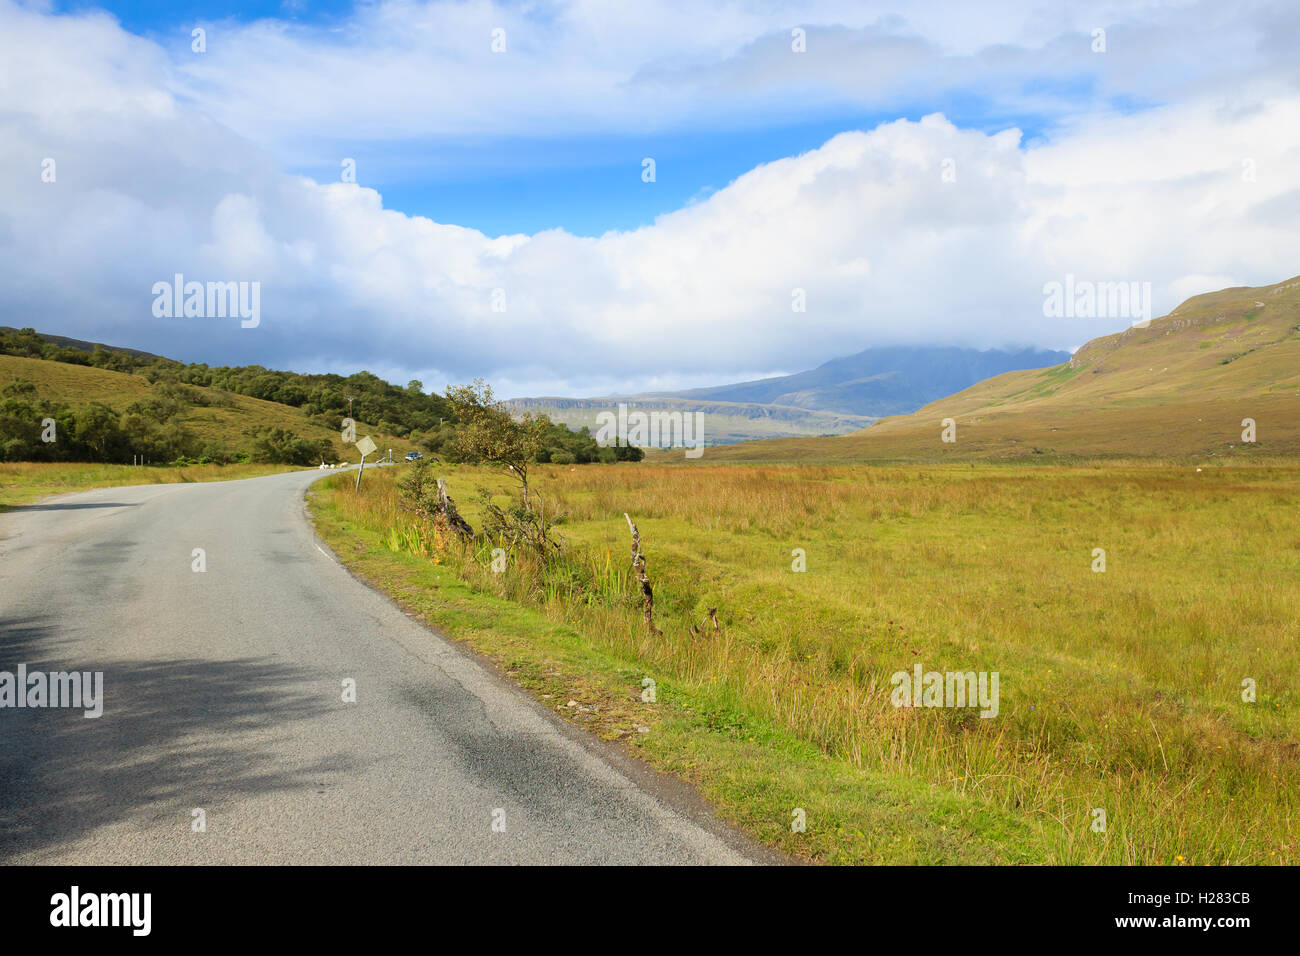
{"points": [[97, 430], [489, 435], [280, 447]]}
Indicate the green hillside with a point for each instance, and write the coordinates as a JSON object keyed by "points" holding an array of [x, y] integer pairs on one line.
{"points": [[1179, 388], [110, 405], [222, 427]]}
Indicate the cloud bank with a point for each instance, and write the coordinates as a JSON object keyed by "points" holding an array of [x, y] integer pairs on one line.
{"points": [[915, 231]]}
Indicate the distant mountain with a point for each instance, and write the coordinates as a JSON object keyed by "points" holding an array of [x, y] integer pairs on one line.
{"points": [[878, 382], [724, 422], [1183, 387], [841, 396]]}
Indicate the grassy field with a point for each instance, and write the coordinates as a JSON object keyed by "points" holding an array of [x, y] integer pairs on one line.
{"points": [[24, 482], [1120, 690]]}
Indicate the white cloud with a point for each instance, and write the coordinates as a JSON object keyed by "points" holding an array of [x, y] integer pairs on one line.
{"points": [[887, 252], [402, 71]]}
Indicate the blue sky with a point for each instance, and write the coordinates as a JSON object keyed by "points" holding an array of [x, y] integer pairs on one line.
{"points": [[586, 184], [162, 16]]}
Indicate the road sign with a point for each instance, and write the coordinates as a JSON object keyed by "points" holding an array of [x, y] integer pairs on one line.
{"points": [[365, 446]]}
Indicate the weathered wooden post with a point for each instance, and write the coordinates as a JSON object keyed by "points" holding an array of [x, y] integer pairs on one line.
{"points": [[638, 568]]}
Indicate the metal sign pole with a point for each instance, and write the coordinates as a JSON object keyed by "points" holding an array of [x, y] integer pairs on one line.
{"points": [[365, 446]]}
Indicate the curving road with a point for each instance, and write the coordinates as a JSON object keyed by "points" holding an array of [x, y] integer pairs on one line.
{"points": [[223, 692]]}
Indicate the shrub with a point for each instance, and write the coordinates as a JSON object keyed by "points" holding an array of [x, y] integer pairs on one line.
{"points": [[277, 446]]}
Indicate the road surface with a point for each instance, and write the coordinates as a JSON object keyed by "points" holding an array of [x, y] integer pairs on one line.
{"points": [[223, 692]]}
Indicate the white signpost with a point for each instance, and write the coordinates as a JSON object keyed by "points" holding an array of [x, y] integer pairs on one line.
{"points": [[365, 446]]}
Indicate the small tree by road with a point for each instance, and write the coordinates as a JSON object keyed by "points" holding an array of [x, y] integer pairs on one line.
{"points": [[488, 434]]}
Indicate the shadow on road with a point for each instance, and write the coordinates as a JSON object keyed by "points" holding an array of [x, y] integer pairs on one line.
{"points": [[73, 507], [174, 735]]}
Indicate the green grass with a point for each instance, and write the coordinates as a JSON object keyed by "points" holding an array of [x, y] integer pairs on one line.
{"points": [[754, 771], [1119, 690]]}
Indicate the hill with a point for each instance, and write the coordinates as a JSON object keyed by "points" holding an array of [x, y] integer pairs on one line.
{"points": [[110, 404], [839, 396], [1179, 388], [62, 342], [223, 425]]}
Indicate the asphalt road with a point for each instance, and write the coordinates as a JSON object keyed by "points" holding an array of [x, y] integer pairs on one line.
{"points": [[223, 691]]}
